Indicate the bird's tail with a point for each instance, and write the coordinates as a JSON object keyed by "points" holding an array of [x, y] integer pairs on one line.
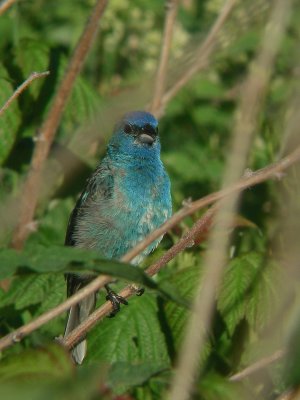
{"points": [[77, 315]]}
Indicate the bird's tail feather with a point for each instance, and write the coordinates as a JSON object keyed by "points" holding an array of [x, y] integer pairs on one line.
{"points": [[77, 315]]}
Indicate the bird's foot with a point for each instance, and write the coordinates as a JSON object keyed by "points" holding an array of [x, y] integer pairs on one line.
{"points": [[137, 289], [116, 300]]}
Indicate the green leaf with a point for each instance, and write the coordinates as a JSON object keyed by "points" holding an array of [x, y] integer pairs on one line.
{"points": [[239, 278], [32, 55], [248, 291], [33, 289], [10, 119], [186, 282], [51, 376], [70, 259], [215, 387], [31, 365], [264, 299], [125, 375], [133, 336]]}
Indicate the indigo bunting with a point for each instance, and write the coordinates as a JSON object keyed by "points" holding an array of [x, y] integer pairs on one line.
{"points": [[126, 198]]}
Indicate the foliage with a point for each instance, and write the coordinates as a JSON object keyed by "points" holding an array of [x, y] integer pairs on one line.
{"points": [[133, 354]]}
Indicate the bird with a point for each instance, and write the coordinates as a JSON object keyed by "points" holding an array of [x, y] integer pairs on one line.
{"points": [[125, 198]]}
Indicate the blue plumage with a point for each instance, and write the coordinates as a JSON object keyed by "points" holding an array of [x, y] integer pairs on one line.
{"points": [[126, 198]]}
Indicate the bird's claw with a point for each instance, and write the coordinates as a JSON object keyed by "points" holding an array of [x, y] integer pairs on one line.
{"points": [[116, 300], [137, 289], [140, 291]]}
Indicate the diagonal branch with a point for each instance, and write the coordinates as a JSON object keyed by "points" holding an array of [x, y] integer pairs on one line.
{"points": [[5, 4], [203, 54], [49, 127], [202, 225], [160, 79], [17, 335], [257, 366], [271, 171], [33, 76]]}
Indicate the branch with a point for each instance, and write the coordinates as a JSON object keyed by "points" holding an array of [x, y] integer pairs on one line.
{"points": [[186, 241], [257, 366], [171, 12], [17, 335], [21, 88], [201, 226], [203, 54], [48, 129], [5, 4], [273, 170], [292, 394], [253, 93]]}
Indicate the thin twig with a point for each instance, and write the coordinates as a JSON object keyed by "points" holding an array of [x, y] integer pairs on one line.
{"points": [[21, 88], [17, 335], [203, 54], [246, 118], [292, 394], [5, 4], [257, 366], [47, 132], [202, 224], [160, 78]]}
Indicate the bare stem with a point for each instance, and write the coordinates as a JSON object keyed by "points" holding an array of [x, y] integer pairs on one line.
{"points": [[48, 129], [160, 79], [5, 4], [252, 95], [257, 366], [33, 76], [203, 54]]}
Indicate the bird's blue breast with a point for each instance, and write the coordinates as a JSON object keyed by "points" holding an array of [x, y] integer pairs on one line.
{"points": [[138, 201], [128, 196]]}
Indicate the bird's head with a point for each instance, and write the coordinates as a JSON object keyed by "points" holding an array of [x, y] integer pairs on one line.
{"points": [[136, 135]]}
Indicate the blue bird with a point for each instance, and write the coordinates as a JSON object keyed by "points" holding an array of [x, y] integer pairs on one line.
{"points": [[126, 198]]}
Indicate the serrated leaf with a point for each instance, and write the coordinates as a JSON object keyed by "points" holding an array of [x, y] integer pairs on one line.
{"points": [[10, 119], [248, 291], [239, 277], [264, 297], [32, 55], [49, 362], [134, 335], [186, 281], [71, 259], [30, 289]]}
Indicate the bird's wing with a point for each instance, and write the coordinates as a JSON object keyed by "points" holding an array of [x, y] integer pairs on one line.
{"points": [[100, 183]]}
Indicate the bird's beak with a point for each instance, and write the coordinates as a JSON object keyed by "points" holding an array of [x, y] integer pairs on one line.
{"points": [[147, 139]]}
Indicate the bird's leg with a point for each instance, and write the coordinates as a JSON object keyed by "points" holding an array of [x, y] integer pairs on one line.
{"points": [[137, 289], [115, 300]]}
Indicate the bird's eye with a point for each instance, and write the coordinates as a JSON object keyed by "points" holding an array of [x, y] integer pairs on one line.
{"points": [[150, 130], [127, 128]]}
